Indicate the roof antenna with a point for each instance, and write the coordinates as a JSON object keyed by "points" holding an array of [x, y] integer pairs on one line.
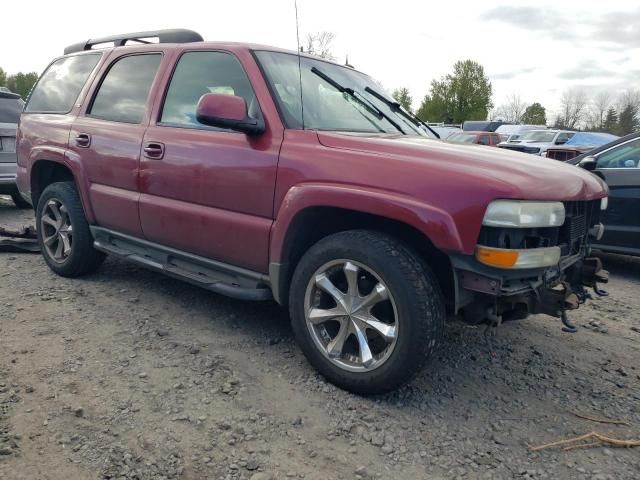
{"points": [[346, 62], [295, 4]]}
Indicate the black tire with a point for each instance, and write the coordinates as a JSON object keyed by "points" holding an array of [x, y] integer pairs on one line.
{"points": [[419, 302], [19, 201], [83, 258]]}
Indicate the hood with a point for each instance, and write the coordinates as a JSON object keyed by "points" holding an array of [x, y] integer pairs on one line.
{"points": [[499, 173]]}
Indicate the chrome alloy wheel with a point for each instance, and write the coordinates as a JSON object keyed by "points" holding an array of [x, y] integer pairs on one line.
{"points": [[351, 315], [57, 231]]}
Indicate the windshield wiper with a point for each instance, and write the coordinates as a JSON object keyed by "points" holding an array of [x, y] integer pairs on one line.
{"points": [[397, 108], [371, 108]]}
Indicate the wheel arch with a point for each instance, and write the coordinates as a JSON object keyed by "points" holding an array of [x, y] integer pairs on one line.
{"points": [[45, 171], [310, 224]]}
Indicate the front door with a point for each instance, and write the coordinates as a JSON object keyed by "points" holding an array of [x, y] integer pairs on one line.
{"points": [[108, 138], [204, 190], [620, 167]]}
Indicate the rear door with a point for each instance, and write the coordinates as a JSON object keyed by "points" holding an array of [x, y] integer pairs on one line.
{"points": [[620, 167], [205, 190], [108, 138]]}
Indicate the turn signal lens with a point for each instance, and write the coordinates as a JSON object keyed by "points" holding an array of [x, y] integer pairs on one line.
{"points": [[523, 258], [496, 257]]}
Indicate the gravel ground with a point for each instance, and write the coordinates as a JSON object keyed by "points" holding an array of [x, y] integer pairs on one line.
{"points": [[129, 374]]}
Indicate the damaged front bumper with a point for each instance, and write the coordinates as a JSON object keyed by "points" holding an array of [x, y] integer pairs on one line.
{"points": [[484, 292]]}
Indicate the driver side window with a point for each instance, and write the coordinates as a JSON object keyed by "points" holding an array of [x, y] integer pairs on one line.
{"points": [[622, 156], [203, 72]]}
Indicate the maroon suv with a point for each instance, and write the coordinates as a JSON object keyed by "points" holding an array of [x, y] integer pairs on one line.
{"points": [[259, 174]]}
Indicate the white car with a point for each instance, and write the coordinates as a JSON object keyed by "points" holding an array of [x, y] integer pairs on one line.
{"points": [[513, 133], [536, 142]]}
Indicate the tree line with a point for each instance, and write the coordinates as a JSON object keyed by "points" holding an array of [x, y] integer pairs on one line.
{"points": [[20, 83], [466, 94]]}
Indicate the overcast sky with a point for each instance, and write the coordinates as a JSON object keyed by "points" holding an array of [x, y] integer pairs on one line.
{"points": [[536, 49]]}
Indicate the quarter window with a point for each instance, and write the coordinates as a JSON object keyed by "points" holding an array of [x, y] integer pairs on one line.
{"points": [[198, 73], [60, 85], [123, 94]]}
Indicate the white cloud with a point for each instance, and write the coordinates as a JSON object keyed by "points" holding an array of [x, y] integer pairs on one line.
{"points": [[402, 43]]}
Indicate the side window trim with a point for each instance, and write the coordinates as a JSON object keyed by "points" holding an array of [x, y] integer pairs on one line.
{"points": [[157, 120], [99, 81]]}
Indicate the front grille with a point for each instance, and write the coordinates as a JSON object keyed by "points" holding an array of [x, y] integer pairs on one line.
{"points": [[579, 217], [562, 155]]}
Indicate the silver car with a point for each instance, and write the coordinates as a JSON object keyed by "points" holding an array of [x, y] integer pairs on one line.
{"points": [[11, 106]]}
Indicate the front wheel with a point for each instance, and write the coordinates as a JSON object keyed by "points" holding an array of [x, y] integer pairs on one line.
{"points": [[365, 310]]}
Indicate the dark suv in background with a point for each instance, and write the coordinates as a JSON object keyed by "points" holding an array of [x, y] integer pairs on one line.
{"points": [[11, 106]]}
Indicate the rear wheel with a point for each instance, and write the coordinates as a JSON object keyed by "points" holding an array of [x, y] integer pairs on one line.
{"points": [[365, 310], [63, 232]]}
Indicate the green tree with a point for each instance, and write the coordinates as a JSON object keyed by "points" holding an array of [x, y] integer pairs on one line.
{"points": [[535, 114], [22, 83], [610, 123], [3, 77], [627, 120], [402, 96], [462, 95]]}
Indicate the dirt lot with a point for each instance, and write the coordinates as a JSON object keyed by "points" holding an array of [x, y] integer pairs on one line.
{"points": [[128, 374]]}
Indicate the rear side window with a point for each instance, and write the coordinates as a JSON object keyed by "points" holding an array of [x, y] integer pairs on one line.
{"points": [[199, 73], [122, 96], [59, 86], [483, 140], [10, 109]]}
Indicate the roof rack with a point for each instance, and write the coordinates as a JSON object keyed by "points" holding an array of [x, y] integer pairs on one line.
{"points": [[176, 35]]}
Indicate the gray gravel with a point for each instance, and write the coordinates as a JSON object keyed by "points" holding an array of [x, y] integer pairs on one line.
{"points": [[127, 374]]}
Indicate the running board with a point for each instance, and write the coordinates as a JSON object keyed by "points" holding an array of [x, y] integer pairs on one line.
{"points": [[216, 276]]}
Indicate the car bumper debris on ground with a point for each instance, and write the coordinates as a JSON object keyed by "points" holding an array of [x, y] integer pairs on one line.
{"points": [[131, 374]]}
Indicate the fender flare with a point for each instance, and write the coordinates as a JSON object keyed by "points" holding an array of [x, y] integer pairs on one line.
{"points": [[437, 225], [65, 158]]}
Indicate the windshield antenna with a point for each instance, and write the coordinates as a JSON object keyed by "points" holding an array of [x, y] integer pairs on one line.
{"points": [[295, 4]]}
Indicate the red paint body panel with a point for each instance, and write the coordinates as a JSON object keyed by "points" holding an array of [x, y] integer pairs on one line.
{"points": [[111, 168], [232, 197], [215, 187]]}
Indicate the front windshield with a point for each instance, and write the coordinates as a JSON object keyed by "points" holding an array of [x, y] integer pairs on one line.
{"points": [[324, 107], [462, 138], [536, 136]]}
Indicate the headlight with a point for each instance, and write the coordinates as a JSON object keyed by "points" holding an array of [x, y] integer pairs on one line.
{"points": [[604, 203], [523, 214]]}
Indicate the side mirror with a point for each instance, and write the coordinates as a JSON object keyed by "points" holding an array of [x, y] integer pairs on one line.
{"points": [[588, 163], [227, 111], [560, 142]]}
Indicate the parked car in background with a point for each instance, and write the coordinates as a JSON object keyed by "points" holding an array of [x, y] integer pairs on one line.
{"points": [[11, 106], [482, 125], [537, 142], [197, 159], [580, 143], [618, 163], [479, 138], [513, 133]]}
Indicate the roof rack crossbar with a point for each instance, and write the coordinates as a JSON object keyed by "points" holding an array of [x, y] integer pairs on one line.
{"points": [[176, 35]]}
